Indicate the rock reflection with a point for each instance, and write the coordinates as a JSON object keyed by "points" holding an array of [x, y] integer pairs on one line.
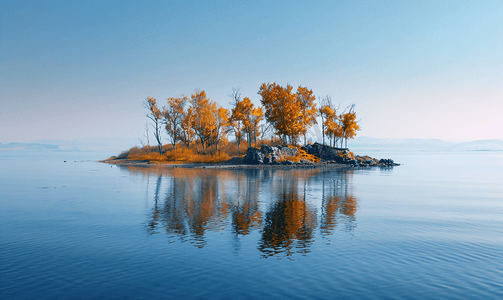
{"points": [[286, 207]]}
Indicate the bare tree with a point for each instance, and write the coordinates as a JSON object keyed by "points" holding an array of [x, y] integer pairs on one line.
{"points": [[324, 102], [144, 145], [236, 123], [155, 115]]}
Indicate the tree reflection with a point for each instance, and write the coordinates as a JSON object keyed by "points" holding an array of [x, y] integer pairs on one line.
{"points": [[289, 223], [285, 206], [338, 203], [245, 214], [154, 220]]}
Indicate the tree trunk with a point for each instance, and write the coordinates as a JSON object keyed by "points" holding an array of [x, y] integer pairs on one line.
{"points": [[255, 135], [323, 133]]}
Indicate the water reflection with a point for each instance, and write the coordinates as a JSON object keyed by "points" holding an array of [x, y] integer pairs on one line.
{"points": [[339, 205], [246, 215], [287, 209], [289, 222]]}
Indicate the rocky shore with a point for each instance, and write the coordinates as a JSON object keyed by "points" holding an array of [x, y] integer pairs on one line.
{"points": [[278, 155]]}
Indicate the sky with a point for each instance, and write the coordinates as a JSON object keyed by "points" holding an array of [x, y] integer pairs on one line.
{"points": [[413, 69]]}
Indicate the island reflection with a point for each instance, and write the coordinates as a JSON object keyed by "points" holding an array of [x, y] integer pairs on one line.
{"points": [[288, 209]]}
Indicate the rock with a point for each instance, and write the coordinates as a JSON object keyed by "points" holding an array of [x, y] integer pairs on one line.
{"points": [[387, 162], [287, 151], [352, 162], [338, 159], [254, 156], [268, 149], [268, 155], [326, 152]]}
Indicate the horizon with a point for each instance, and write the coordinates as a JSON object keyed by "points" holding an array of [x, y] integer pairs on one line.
{"points": [[165, 142], [414, 70]]}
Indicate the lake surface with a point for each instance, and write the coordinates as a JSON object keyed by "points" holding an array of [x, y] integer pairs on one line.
{"points": [[431, 228]]}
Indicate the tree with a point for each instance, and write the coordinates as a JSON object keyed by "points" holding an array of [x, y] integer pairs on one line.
{"points": [[349, 124], [308, 109], [187, 128], [145, 146], [289, 113], [155, 115], [257, 115], [241, 114], [331, 121], [325, 112], [221, 116], [236, 122], [333, 128], [172, 116], [204, 120]]}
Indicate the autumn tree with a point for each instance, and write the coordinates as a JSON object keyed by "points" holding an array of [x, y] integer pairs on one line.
{"points": [[289, 113], [221, 128], [308, 110], [187, 133], [204, 119], [330, 121], [349, 124], [257, 115], [155, 115], [333, 128], [241, 113], [325, 112], [172, 116], [235, 121]]}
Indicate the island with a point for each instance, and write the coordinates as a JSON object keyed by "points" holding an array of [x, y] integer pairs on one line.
{"points": [[199, 132]]}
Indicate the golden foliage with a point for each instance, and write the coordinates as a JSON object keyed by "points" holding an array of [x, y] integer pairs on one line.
{"points": [[289, 113], [173, 116]]}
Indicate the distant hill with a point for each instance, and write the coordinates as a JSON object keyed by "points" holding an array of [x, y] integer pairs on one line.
{"points": [[424, 144], [481, 145], [86, 144], [28, 146]]}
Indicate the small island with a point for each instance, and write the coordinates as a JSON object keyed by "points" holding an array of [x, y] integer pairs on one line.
{"points": [[311, 155], [199, 132]]}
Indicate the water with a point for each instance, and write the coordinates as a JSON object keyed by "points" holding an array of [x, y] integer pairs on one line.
{"points": [[431, 228]]}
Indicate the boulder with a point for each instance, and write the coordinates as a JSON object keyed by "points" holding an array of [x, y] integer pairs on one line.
{"points": [[268, 149], [326, 152], [387, 162], [254, 156], [287, 151], [270, 155]]}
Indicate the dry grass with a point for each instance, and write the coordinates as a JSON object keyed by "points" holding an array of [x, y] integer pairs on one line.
{"points": [[180, 155], [183, 155], [301, 156]]}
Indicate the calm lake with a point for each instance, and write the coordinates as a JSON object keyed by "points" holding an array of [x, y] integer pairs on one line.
{"points": [[431, 228]]}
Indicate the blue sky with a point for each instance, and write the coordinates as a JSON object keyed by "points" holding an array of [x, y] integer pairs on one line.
{"points": [[417, 69]]}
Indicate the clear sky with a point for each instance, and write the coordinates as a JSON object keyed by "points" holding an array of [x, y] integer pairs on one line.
{"points": [[414, 69]]}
